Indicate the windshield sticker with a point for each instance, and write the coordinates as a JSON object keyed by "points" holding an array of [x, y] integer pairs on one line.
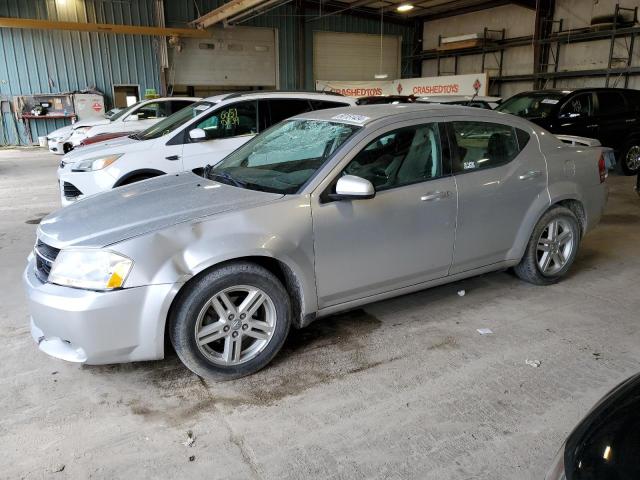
{"points": [[351, 117], [201, 108], [551, 101], [229, 118]]}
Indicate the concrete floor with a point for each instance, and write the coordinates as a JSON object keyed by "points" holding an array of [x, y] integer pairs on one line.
{"points": [[405, 388]]}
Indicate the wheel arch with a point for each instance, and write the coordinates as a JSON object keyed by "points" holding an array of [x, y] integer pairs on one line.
{"points": [[282, 271], [571, 202], [146, 172]]}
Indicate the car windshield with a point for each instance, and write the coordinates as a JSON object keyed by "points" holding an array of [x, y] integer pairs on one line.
{"points": [[173, 121], [533, 105], [123, 112], [284, 157]]}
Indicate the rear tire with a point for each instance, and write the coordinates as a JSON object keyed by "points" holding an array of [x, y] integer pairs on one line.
{"points": [[552, 247], [230, 322], [629, 163]]}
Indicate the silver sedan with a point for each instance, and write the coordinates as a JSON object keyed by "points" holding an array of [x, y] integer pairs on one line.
{"points": [[319, 214]]}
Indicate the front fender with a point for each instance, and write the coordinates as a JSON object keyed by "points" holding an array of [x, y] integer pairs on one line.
{"points": [[281, 230]]}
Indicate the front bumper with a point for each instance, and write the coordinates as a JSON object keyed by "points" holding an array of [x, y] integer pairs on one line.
{"points": [[86, 183], [98, 327], [56, 146]]}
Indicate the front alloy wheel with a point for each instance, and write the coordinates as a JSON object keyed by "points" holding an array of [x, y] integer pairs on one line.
{"points": [[230, 321], [235, 325]]}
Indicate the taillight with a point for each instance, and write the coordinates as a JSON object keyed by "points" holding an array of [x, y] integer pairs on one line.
{"points": [[602, 168]]}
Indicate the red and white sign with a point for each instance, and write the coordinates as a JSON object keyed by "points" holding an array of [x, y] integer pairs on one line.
{"points": [[96, 106], [475, 83]]}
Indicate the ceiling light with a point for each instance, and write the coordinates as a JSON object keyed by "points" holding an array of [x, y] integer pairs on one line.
{"points": [[405, 7], [380, 76]]}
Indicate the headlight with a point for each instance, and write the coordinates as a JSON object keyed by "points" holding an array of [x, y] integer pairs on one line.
{"points": [[90, 269], [95, 163], [556, 472]]}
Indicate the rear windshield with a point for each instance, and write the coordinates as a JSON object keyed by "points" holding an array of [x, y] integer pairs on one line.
{"points": [[531, 105]]}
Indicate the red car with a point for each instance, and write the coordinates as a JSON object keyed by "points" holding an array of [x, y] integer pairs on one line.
{"points": [[102, 137]]}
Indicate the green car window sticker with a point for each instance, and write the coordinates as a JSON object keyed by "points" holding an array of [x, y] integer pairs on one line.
{"points": [[229, 118]]}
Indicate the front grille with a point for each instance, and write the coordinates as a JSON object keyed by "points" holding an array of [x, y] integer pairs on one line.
{"points": [[45, 256], [70, 191]]}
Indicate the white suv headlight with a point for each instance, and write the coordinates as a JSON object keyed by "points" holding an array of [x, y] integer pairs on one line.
{"points": [[95, 163], [90, 269]]}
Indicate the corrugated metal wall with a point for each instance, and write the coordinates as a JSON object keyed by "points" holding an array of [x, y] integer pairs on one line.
{"points": [[34, 61], [286, 19], [48, 61]]}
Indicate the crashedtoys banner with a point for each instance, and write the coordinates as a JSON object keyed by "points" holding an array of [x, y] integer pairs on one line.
{"points": [[475, 83]]}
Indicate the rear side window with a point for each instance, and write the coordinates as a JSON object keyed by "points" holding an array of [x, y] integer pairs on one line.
{"points": [[611, 103], [481, 145], [284, 108], [176, 105], [321, 104]]}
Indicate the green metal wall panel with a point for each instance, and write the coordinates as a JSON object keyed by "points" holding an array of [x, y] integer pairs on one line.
{"points": [[50, 61]]}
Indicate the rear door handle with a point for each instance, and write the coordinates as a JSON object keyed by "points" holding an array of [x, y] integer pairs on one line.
{"points": [[595, 125], [630, 120], [173, 157], [428, 197], [530, 174]]}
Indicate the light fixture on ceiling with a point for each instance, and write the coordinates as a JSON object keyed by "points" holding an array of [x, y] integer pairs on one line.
{"points": [[405, 7], [380, 75]]}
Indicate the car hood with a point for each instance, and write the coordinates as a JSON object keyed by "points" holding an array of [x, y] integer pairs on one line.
{"points": [[92, 123], [108, 147], [61, 132], [125, 212]]}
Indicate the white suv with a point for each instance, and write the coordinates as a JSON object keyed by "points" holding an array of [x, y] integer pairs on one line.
{"points": [[203, 133], [137, 117]]}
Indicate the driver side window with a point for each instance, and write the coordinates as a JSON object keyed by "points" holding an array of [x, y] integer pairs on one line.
{"points": [[400, 157], [231, 121], [578, 106]]}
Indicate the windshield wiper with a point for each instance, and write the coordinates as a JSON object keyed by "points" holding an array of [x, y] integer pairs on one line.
{"points": [[134, 136], [225, 176]]}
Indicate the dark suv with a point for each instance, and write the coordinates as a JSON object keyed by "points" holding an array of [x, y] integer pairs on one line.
{"points": [[611, 115]]}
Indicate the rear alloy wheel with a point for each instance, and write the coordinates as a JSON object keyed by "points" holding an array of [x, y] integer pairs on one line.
{"points": [[552, 248], [230, 322], [630, 158]]}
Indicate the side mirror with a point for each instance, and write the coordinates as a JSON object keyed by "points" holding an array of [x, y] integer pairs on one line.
{"points": [[351, 187], [197, 135], [132, 118]]}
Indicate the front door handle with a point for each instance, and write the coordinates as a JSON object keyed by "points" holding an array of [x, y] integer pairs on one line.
{"points": [[428, 197], [530, 174], [595, 125], [173, 157], [630, 120]]}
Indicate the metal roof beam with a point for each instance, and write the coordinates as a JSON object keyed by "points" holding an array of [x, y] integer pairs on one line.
{"points": [[223, 12], [29, 23]]}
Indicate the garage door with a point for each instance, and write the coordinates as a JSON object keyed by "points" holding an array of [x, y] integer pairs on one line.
{"points": [[354, 56], [235, 57]]}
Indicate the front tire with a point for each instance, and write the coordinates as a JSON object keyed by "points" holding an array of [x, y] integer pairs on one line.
{"points": [[630, 158], [230, 322], [552, 248]]}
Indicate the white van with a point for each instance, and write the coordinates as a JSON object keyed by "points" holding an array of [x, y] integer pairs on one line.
{"points": [[203, 133], [137, 117]]}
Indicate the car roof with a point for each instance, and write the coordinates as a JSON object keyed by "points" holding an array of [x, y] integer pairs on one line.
{"points": [[328, 96], [367, 114], [165, 99]]}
